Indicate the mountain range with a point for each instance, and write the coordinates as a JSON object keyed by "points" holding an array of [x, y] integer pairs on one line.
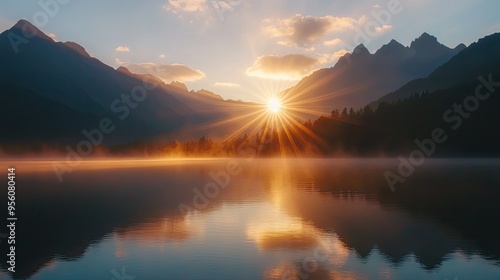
{"points": [[479, 59], [361, 77], [50, 91]]}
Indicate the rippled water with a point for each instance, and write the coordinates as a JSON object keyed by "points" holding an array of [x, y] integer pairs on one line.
{"points": [[257, 219]]}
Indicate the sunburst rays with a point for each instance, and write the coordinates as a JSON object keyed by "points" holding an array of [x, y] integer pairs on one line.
{"points": [[277, 116]]}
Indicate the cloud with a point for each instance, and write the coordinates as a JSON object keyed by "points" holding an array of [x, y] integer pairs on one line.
{"points": [[122, 49], [382, 29], [288, 67], [338, 54], [162, 56], [119, 62], [329, 58], [168, 72], [305, 31], [185, 6], [334, 42], [364, 20], [222, 84]]}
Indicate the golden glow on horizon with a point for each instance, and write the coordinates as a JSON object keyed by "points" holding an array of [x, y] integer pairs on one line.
{"points": [[277, 123]]}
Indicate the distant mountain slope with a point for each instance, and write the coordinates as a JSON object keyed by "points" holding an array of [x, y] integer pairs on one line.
{"points": [[24, 115], [210, 109], [361, 77], [479, 59], [66, 90], [66, 74], [401, 127]]}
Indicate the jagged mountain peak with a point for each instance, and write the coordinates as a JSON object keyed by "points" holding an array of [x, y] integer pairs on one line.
{"points": [[22, 23], [392, 47], [395, 43], [359, 77], [360, 50], [479, 58], [424, 41], [124, 70], [426, 36], [27, 29], [460, 47]]}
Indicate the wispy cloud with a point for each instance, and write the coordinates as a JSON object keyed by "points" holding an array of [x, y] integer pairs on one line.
{"points": [[119, 62], [162, 56], [305, 31], [378, 30], [288, 67], [333, 43], [122, 49], [229, 85], [382, 29], [168, 72], [176, 6], [329, 58], [309, 31]]}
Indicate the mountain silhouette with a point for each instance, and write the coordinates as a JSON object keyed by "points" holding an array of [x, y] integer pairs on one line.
{"points": [[361, 77], [64, 73], [479, 59], [54, 90]]}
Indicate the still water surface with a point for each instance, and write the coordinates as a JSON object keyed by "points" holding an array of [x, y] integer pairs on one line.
{"points": [[259, 219]]}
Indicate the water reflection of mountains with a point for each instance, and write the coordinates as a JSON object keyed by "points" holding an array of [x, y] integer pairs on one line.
{"points": [[459, 197], [439, 210]]}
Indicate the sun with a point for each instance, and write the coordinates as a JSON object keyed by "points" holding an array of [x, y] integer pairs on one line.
{"points": [[274, 105]]}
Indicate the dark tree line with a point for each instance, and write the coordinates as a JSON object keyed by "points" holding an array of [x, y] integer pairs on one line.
{"points": [[471, 125], [388, 130]]}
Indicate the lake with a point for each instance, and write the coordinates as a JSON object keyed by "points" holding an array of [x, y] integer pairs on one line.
{"points": [[255, 219]]}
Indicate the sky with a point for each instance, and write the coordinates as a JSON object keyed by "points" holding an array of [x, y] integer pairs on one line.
{"points": [[246, 49]]}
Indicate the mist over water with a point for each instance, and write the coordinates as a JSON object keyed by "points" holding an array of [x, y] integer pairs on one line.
{"points": [[272, 219]]}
